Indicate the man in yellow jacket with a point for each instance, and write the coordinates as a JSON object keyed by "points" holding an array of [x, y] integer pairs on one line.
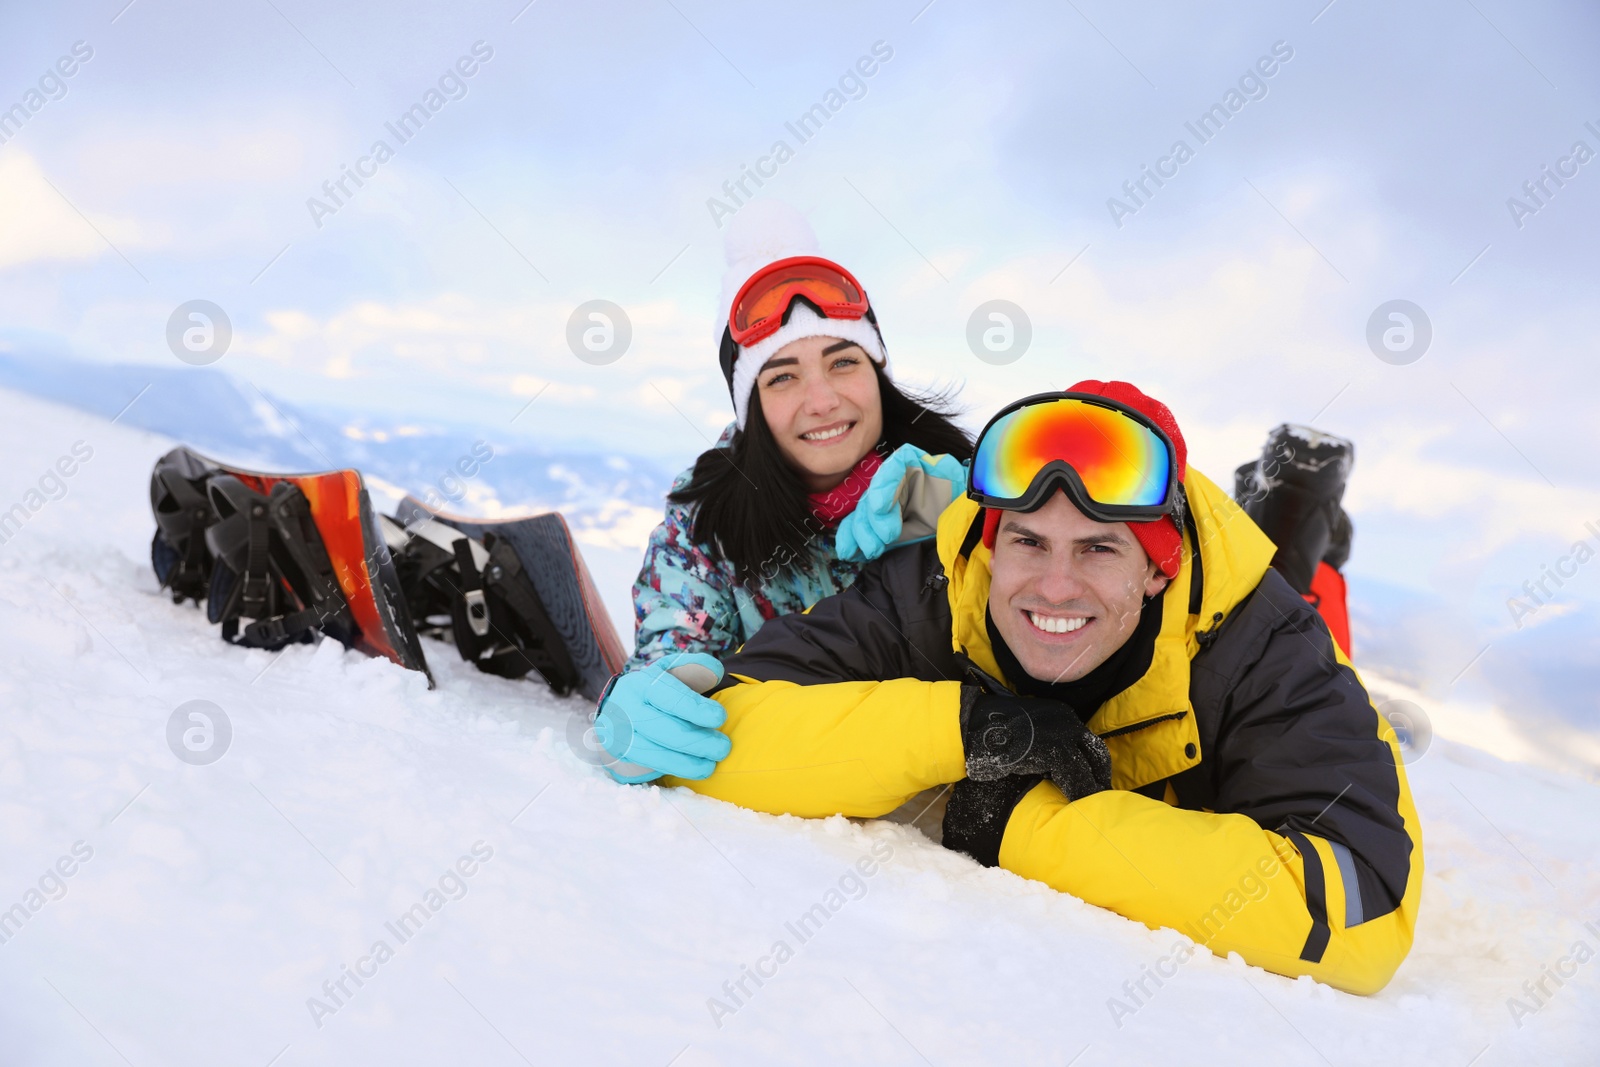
{"points": [[1127, 702]]}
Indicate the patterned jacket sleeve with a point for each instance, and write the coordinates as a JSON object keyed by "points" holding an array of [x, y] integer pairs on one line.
{"points": [[682, 600]]}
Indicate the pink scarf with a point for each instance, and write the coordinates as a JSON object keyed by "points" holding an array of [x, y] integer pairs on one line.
{"points": [[841, 500]]}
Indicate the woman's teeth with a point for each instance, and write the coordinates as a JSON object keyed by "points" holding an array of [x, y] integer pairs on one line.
{"points": [[826, 435], [1053, 625]]}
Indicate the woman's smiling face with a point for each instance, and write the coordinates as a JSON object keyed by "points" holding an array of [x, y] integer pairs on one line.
{"points": [[820, 398]]}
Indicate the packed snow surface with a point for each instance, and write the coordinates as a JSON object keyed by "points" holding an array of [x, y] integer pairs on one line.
{"points": [[501, 901]]}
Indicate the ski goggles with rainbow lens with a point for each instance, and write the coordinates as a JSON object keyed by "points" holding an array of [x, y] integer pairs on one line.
{"points": [[763, 301], [1114, 462]]}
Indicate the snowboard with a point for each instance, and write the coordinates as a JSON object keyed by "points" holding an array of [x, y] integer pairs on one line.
{"points": [[342, 538], [1294, 491], [550, 557]]}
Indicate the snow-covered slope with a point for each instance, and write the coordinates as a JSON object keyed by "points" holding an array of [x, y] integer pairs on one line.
{"points": [[211, 910]]}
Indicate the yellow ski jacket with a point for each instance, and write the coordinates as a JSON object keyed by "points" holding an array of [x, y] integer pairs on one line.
{"points": [[1259, 803]]}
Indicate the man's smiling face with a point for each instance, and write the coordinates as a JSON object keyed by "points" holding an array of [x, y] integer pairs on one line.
{"points": [[1066, 591]]}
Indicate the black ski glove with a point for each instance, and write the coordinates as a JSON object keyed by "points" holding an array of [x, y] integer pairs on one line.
{"points": [[1004, 735], [975, 817]]}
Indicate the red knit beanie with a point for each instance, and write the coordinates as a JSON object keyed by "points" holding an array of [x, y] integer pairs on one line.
{"points": [[1161, 539]]}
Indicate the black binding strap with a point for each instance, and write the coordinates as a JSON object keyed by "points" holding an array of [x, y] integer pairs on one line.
{"points": [[275, 631], [240, 582], [271, 568], [475, 618], [182, 513], [312, 576], [547, 651], [256, 580]]}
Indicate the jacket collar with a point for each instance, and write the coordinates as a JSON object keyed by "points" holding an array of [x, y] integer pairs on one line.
{"points": [[1150, 726]]}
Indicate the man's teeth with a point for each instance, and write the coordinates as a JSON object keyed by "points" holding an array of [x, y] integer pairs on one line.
{"points": [[1052, 625], [825, 435]]}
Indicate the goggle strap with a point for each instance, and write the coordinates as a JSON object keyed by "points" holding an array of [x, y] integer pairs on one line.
{"points": [[974, 534], [1184, 517]]}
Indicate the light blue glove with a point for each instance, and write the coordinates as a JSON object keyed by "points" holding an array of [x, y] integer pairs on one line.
{"points": [[651, 723], [878, 520]]}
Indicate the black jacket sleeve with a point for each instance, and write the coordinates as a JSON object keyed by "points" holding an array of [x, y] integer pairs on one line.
{"points": [[1296, 745], [894, 622]]}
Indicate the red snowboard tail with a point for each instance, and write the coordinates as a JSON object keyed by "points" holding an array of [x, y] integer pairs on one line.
{"points": [[1328, 597]]}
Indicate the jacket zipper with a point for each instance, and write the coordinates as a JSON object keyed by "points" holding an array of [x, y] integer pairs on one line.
{"points": [[1119, 731]]}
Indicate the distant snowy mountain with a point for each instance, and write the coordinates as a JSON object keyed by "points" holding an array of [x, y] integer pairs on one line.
{"points": [[613, 500], [229, 418]]}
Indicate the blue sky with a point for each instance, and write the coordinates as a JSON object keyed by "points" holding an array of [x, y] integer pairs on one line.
{"points": [[976, 163]]}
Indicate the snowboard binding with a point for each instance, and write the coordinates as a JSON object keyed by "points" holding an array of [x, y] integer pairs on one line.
{"points": [[477, 595], [178, 552], [514, 595], [278, 559], [1294, 492], [268, 560]]}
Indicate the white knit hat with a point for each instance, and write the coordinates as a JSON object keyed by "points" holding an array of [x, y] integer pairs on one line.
{"points": [[763, 232]]}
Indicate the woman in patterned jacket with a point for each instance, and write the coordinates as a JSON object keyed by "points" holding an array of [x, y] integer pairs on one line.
{"points": [[767, 521]]}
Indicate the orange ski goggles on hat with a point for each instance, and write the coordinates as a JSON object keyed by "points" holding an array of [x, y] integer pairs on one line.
{"points": [[763, 301]]}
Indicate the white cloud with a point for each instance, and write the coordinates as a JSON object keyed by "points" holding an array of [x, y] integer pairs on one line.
{"points": [[203, 151], [459, 337], [38, 224], [534, 387]]}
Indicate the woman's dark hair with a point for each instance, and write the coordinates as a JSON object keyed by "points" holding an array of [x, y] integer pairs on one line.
{"points": [[753, 506]]}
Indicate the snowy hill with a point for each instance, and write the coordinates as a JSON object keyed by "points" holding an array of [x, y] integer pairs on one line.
{"points": [[529, 910]]}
